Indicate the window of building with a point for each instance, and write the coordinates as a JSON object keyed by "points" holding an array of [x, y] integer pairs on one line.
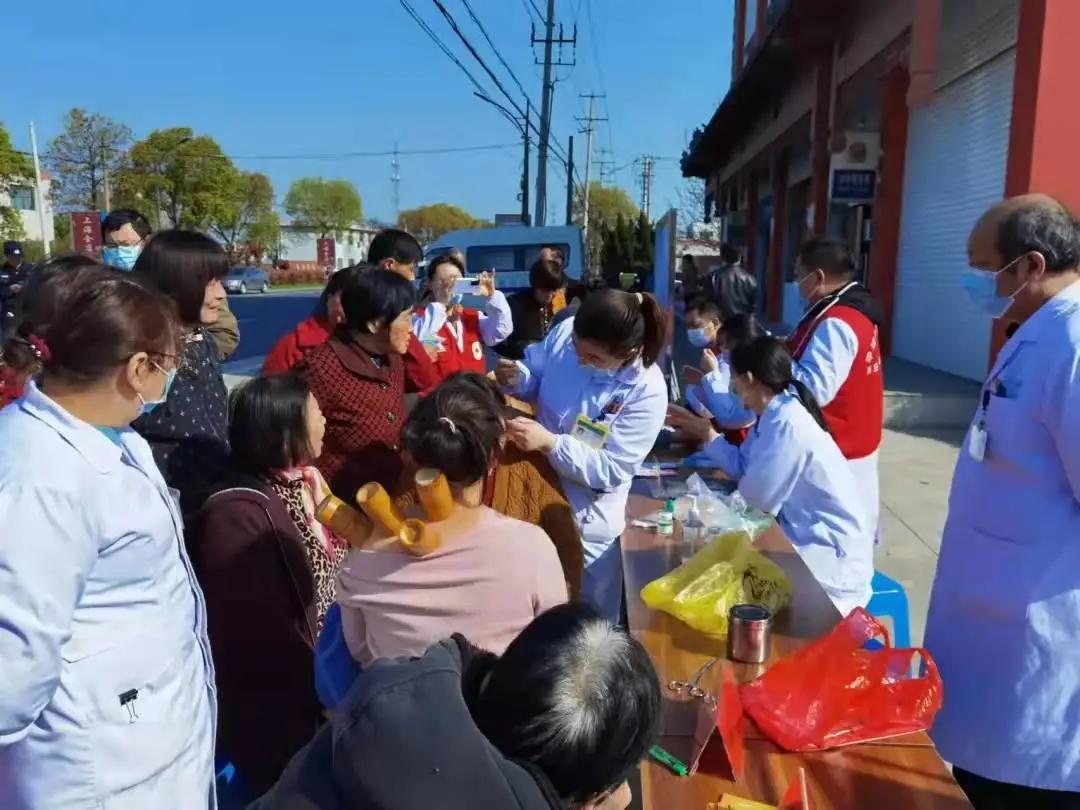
{"points": [[22, 198]]}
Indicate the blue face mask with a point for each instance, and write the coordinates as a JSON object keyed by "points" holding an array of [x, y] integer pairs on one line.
{"points": [[148, 406], [121, 256], [981, 287], [804, 298], [602, 373], [697, 337]]}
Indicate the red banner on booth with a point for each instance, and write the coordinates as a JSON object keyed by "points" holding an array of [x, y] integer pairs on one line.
{"points": [[86, 233], [327, 252]]}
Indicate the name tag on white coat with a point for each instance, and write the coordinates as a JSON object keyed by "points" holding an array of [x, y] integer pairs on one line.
{"points": [[591, 434], [976, 444]]}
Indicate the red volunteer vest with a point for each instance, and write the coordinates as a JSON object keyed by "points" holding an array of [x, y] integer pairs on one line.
{"points": [[470, 357], [856, 414]]}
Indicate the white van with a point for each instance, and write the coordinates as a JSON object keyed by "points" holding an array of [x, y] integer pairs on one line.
{"points": [[510, 250]]}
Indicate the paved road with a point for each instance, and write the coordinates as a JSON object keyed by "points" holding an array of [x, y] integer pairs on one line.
{"points": [[265, 318]]}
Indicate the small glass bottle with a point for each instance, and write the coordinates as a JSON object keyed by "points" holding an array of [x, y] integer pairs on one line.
{"points": [[665, 519], [693, 531]]}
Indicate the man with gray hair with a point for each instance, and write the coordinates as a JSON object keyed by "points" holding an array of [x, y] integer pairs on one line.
{"points": [[1004, 622]]}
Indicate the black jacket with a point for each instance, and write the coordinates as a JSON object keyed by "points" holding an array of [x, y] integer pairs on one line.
{"points": [[732, 289], [404, 739], [189, 432], [530, 320]]}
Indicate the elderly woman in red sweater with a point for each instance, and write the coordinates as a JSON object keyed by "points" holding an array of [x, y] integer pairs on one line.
{"points": [[358, 379]]}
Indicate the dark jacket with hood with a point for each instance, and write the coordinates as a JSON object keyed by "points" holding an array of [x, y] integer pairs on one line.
{"points": [[404, 739]]}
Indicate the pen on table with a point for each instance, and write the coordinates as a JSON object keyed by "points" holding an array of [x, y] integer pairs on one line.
{"points": [[663, 757]]}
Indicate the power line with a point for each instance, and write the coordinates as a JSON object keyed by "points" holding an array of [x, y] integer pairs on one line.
{"points": [[442, 46], [528, 11], [475, 54], [386, 153], [536, 8], [498, 55]]}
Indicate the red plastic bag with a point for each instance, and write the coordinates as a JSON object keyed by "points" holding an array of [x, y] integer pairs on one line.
{"points": [[832, 692]]}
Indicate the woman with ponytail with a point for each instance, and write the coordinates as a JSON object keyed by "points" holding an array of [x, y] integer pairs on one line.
{"points": [[600, 401], [491, 574], [791, 468]]}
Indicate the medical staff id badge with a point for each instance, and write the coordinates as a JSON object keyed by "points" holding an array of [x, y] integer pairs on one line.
{"points": [[591, 434]]}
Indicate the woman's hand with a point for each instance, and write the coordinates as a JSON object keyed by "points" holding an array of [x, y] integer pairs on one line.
{"points": [[486, 284], [507, 373], [689, 425], [709, 363], [530, 435]]}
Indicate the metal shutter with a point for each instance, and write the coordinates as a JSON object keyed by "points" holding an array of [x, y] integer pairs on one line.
{"points": [[955, 168]]}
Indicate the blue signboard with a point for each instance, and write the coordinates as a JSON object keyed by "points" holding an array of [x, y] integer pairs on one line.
{"points": [[853, 185]]}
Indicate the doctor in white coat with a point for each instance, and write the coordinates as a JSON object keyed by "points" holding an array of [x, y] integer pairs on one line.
{"points": [[1004, 621], [790, 467], [601, 400], [107, 695]]}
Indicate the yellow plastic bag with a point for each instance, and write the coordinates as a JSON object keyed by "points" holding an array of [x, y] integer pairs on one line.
{"points": [[727, 571]]}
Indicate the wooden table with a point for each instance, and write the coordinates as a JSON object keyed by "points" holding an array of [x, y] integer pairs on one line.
{"points": [[904, 773]]}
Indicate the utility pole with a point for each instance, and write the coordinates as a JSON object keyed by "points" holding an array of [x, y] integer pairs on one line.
{"points": [[40, 202], [570, 183], [525, 166], [546, 101], [605, 166], [395, 178], [590, 127], [647, 164]]}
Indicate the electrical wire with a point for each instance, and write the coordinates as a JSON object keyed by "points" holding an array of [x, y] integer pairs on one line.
{"points": [[442, 46], [553, 145], [529, 13], [386, 153], [498, 55]]}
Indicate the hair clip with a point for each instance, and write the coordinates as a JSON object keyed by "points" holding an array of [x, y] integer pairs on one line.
{"points": [[639, 298], [449, 422], [40, 348]]}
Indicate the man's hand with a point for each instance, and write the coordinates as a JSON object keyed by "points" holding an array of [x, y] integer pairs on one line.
{"points": [[486, 284], [530, 435], [507, 373], [709, 363]]}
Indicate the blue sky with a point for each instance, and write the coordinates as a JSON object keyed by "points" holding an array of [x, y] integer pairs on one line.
{"points": [[266, 77]]}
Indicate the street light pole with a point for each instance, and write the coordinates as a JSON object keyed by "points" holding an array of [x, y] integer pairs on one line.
{"points": [[39, 191]]}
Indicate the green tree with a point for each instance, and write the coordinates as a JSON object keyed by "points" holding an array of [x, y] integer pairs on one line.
{"points": [[325, 206], [429, 222], [16, 171], [606, 205], [643, 243], [90, 147], [181, 178], [243, 218]]}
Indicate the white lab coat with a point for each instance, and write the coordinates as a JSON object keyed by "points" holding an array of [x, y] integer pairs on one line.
{"points": [[824, 367], [633, 405], [495, 323], [791, 468], [1004, 620], [97, 599]]}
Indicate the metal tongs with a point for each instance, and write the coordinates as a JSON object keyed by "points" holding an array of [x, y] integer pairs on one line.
{"points": [[691, 688]]}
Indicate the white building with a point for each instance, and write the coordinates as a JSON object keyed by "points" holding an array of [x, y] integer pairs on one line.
{"points": [[298, 244], [23, 200]]}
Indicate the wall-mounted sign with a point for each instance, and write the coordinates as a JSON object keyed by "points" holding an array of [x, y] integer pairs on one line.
{"points": [[853, 185]]}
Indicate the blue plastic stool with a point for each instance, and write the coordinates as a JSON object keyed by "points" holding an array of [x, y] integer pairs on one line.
{"points": [[890, 601]]}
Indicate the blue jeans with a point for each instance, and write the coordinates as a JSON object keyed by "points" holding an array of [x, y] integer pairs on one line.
{"points": [[335, 668]]}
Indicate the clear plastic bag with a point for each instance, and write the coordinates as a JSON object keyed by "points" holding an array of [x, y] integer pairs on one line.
{"points": [[728, 571]]}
